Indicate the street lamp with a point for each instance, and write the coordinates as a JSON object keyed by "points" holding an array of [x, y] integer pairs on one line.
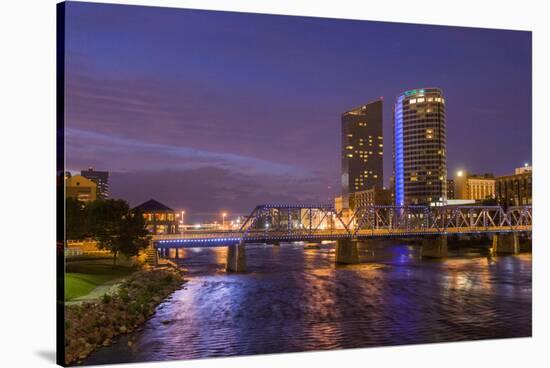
{"points": [[182, 223], [223, 220]]}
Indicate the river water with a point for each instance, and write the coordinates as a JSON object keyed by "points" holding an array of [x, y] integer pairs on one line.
{"points": [[295, 299]]}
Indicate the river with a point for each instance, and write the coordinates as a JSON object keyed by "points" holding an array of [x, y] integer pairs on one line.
{"points": [[295, 299]]}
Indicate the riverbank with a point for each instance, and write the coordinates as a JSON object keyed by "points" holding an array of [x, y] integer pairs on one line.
{"points": [[89, 325], [83, 277]]}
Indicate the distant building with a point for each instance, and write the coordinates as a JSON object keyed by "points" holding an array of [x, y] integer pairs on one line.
{"points": [[420, 164], [476, 187], [524, 169], [338, 204], [372, 197], [450, 189], [514, 190], [160, 219], [362, 150], [101, 178], [80, 188]]}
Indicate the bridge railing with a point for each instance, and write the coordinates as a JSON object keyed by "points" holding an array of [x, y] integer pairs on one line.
{"points": [[399, 219], [287, 222]]}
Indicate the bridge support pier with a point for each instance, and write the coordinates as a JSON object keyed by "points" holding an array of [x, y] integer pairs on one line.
{"points": [[435, 246], [507, 243], [236, 258], [347, 251]]}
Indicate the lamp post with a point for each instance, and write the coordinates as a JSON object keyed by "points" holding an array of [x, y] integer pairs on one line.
{"points": [[182, 223], [223, 220]]}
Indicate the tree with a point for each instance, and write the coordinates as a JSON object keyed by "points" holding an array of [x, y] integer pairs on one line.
{"points": [[116, 228], [75, 219]]}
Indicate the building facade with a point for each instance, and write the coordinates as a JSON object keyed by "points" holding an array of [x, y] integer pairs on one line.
{"points": [[80, 188], [476, 187], [524, 169], [160, 219], [362, 149], [419, 134], [451, 189], [101, 178], [514, 190], [372, 197]]}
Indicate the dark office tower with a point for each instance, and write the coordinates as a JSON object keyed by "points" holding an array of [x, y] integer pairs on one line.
{"points": [[101, 178], [420, 164], [362, 144]]}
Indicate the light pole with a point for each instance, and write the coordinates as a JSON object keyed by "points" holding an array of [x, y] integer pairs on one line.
{"points": [[182, 223], [223, 220]]}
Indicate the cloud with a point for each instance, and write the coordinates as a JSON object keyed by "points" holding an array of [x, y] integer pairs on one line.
{"points": [[85, 148], [205, 192]]}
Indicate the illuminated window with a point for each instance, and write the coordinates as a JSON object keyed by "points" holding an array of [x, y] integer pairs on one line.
{"points": [[430, 99], [420, 100], [350, 155], [414, 178], [349, 147], [380, 145], [412, 101], [350, 135]]}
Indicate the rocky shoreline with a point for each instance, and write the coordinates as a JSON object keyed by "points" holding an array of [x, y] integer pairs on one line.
{"points": [[93, 324]]}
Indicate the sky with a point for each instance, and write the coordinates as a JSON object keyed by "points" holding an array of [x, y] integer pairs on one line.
{"points": [[218, 111]]}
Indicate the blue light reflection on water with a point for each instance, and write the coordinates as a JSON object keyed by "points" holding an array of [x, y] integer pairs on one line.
{"points": [[296, 299]]}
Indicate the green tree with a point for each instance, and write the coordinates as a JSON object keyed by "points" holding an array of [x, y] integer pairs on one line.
{"points": [[116, 228], [75, 219]]}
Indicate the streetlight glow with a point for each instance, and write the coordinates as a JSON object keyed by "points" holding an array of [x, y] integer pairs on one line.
{"points": [[459, 173]]}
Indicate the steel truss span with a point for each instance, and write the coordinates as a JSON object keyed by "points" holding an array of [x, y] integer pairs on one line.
{"points": [[315, 222]]}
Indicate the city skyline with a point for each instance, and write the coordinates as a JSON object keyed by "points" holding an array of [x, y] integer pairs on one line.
{"points": [[262, 123]]}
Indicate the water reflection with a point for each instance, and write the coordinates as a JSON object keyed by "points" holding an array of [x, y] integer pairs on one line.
{"points": [[296, 299]]}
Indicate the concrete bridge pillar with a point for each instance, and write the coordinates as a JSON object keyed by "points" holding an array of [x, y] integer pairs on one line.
{"points": [[236, 258], [435, 246], [347, 251], [507, 243]]}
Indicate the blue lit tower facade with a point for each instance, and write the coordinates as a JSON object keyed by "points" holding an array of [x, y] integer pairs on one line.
{"points": [[420, 163], [362, 149]]}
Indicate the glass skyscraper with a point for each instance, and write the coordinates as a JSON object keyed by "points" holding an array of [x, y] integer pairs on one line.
{"points": [[420, 164], [362, 149]]}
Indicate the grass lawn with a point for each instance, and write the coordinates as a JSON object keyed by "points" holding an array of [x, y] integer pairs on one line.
{"points": [[82, 277]]}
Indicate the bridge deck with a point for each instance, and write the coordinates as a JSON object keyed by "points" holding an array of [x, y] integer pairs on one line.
{"points": [[194, 240]]}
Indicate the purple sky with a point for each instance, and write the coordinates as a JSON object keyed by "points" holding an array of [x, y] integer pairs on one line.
{"points": [[211, 111]]}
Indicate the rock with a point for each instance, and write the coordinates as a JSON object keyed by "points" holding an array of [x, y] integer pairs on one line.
{"points": [[107, 342], [123, 329]]}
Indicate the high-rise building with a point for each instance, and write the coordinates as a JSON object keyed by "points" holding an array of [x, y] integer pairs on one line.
{"points": [[101, 178], [362, 149], [476, 187], [420, 165]]}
